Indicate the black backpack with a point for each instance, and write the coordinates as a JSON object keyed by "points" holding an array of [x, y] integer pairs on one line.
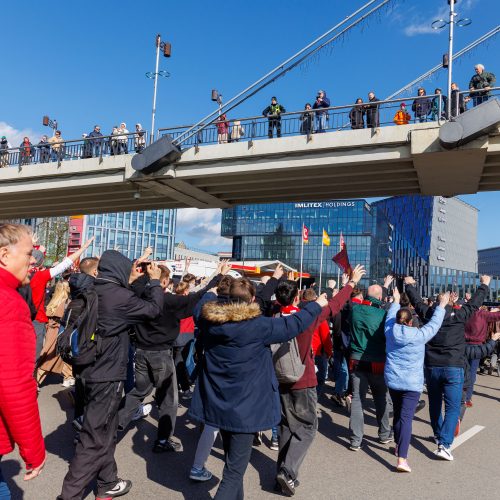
{"points": [[78, 341]]}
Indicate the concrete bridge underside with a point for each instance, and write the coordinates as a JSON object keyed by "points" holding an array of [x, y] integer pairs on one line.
{"points": [[360, 163]]}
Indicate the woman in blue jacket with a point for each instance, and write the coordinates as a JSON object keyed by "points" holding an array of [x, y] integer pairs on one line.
{"points": [[237, 390], [404, 368]]}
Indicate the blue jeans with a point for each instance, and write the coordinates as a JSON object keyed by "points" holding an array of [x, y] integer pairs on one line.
{"points": [[474, 365], [321, 362], [4, 489], [480, 99], [321, 122], [444, 383], [340, 373], [275, 434]]}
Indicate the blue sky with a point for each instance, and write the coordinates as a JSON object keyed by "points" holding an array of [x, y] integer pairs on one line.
{"points": [[85, 64]]}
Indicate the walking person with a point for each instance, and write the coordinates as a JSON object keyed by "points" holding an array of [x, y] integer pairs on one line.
{"points": [[357, 115], [404, 368], [20, 418], [50, 361], [273, 113], [118, 309], [321, 114], [237, 360], [444, 362]]}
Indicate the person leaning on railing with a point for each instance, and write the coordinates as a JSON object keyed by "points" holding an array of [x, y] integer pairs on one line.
{"points": [[44, 149], [357, 115], [57, 146], [26, 152], [96, 141], [480, 85], [139, 138]]}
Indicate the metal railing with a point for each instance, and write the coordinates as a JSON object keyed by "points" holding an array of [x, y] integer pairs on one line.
{"points": [[75, 149], [471, 98], [371, 114]]}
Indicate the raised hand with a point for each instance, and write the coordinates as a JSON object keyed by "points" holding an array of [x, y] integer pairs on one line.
{"points": [[357, 273], [278, 272], [445, 299], [409, 280], [396, 295], [322, 300]]}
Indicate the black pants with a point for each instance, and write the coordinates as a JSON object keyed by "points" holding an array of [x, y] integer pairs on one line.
{"points": [[298, 426], [153, 370], [95, 450], [273, 123], [181, 351], [237, 451]]}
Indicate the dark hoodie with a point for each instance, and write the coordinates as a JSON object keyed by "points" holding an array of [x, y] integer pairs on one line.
{"points": [[119, 309], [325, 103]]}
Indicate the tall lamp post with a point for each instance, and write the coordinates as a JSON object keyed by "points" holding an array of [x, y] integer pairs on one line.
{"points": [[448, 58], [216, 97], [167, 50], [47, 122]]}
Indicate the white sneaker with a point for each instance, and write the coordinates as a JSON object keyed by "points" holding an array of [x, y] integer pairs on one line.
{"points": [[68, 382], [444, 453], [142, 412]]}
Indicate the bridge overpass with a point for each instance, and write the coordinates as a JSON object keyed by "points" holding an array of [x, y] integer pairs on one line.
{"points": [[386, 161]]}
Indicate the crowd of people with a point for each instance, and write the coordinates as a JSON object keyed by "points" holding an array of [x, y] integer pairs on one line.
{"points": [[245, 357], [56, 149]]}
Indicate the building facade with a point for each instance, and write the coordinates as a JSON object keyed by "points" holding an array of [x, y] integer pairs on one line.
{"points": [[273, 231], [433, 239], [488, 261]]}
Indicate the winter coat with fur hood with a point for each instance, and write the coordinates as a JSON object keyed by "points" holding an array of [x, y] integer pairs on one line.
{"points": [[237, 388]]}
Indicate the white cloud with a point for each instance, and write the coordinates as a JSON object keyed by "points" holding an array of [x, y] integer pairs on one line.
{"points": [[15, 136], [201, 229]]}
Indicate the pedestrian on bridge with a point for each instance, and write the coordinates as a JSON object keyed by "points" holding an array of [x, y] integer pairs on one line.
{"points": [[421, 106], [96, 141], [306, 121], [372, 111], [44, 149], [357, 115], [319, 105], [26, 152], [57, 146], [222, 129], [439, 106], [480, 84], [273, 113], [4, 152], [458, 102], [402, 117]]}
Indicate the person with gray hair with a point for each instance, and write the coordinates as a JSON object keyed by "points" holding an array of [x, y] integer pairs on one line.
{"points": [[480, 85]]}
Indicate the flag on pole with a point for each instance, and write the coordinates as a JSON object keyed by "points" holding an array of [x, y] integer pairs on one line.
{"points": [[326, 238], [342, 258], [305, 234]]}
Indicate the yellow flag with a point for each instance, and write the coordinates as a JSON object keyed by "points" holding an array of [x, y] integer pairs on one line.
{"points": [[326, 239]]}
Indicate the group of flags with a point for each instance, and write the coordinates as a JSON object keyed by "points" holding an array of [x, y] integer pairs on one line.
{"points": [[341, 258]]}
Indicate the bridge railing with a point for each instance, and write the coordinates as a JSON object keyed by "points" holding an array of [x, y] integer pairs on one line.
{"points": [[370, 114], [75, 149], [469, 98]]}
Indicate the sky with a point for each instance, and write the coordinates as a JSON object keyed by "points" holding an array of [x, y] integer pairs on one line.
{"points": [[86, 65]]}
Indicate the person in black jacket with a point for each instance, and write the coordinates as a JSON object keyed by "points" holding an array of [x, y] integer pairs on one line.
{"points": [[154, 362], [118, 310], [357, 115], [457, 105], [444, 362], [273, 113], [372, 112]]}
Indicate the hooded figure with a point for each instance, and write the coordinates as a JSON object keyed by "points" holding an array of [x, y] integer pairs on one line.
{"points": [[118, 310]]}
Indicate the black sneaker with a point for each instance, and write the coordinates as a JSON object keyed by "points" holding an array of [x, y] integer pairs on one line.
{"points": [[122, 487], [165, 445], [286, 482], [257, 439], [420, 406]]}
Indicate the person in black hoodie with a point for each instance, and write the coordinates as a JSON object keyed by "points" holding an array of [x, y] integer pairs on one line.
{"points": [[444, 362], [154, 362], [118, 310]]}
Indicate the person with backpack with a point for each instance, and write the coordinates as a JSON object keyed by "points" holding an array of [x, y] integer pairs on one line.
{"points": [[299, 420], [38, 283], [237, 360], [19, 415], [103, 340]]}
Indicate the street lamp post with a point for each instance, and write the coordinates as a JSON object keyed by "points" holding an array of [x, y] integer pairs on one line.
{"points": [[216, 97], [166, 47], [47, 122], [440, 24]]}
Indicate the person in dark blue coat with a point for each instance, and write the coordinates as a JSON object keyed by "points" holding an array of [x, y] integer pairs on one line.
{"points": [[237, 389], [320, 104]]}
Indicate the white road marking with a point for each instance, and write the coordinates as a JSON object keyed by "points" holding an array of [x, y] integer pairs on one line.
{"points": [[466, 435]]}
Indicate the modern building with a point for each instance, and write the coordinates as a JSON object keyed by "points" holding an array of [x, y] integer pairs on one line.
{"points": [[435, 240], [488, 261], [431, 238], [128, 232], [268, 232]]}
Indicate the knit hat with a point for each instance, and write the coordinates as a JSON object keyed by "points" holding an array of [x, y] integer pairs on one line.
{"points": [[402, 104], [39, 257]]}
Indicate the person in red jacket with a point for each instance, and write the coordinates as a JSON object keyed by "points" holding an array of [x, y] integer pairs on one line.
{"points": [[38, 284], [299, 420], [322, 345], [19, 416]]}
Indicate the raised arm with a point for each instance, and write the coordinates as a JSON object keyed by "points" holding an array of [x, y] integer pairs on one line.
{"points": [[70, 260], [415, 298], [476, 301]]}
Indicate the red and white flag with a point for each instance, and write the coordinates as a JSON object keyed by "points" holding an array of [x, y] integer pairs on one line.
{"points": [[305, 234]]}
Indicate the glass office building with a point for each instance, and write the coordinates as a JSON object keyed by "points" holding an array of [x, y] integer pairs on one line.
{"points": [[131, 232], [267, 232], [488, 261]]}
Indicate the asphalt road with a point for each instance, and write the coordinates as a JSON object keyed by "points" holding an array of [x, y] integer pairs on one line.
{"points": [[330, 470]]}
